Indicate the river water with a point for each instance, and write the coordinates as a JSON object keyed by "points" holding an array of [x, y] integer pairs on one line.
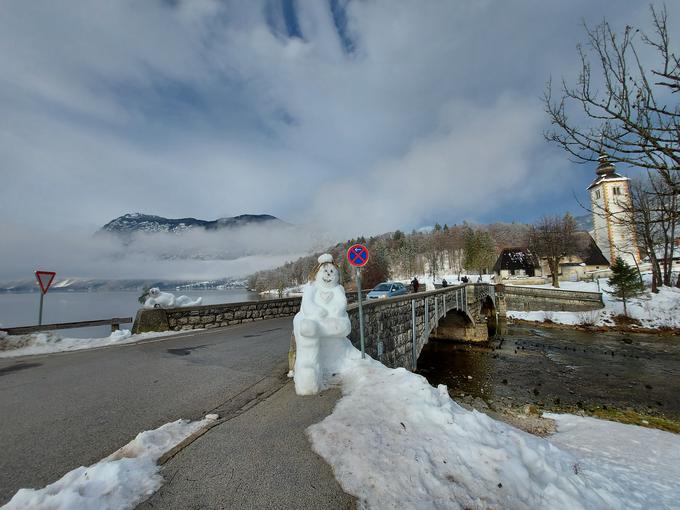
{"points": [[562, 369], [22, 309]]}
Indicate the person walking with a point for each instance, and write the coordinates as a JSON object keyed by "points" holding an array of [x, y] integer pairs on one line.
{"points": [[444, 283], [415, 284]]}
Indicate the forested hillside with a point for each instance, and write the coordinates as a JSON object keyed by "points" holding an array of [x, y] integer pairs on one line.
{"points": [[458, 249]]}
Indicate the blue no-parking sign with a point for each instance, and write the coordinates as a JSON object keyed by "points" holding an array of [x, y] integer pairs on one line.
{"points": [[357, 255]]}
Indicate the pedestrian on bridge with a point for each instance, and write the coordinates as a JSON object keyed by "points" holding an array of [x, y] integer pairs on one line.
{"points": [[415, 284], [444, 283]]}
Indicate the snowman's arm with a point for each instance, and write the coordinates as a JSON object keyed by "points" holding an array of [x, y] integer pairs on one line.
{"points": [[339, 305], [307, 306]]}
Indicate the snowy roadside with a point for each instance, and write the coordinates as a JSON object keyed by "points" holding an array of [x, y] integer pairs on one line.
{"points": [[12, 346], [120, 481], [396, 442], [651, 311]]}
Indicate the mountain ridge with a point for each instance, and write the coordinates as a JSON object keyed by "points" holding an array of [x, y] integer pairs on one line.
{"points": [[140, 222]]}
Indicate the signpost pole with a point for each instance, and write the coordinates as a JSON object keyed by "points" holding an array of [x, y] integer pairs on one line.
{"points": [[361, 313], [42, 296]]}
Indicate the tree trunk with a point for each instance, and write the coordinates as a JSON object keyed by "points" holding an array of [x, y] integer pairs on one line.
{"points": [[553, 269], [625, 308]]}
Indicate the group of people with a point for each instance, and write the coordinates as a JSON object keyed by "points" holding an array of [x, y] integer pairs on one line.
{"points": [[415, 284]]}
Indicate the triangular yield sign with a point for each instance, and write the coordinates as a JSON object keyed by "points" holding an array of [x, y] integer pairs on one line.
{"points": [[45, 279]]}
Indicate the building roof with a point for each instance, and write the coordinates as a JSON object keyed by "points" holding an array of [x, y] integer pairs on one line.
{"points": [[588, 251], [515, 258], [605, 172]]}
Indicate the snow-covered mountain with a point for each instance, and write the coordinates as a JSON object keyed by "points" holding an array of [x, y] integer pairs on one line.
{"points": [[138, 222]]}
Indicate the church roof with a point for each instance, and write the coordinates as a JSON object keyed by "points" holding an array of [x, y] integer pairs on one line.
{"points": [[605, 172], [588, 251]]}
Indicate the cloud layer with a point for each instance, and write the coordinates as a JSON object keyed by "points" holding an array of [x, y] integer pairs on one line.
{"points": [[350, 117]]}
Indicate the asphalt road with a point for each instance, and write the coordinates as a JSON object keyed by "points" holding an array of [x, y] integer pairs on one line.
{"points": [[62, 411]]}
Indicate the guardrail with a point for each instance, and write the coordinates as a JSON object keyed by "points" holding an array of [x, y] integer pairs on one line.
{"points": [[24, 330]]}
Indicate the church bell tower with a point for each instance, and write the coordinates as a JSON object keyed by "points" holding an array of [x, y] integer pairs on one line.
{"points": [[611, 204]]}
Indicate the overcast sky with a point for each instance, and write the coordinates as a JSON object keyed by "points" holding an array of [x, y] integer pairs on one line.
{"points": [[361, 116]]}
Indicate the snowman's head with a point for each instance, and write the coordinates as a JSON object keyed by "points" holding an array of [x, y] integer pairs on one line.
{"points": [[326, 275], [154, 292]]}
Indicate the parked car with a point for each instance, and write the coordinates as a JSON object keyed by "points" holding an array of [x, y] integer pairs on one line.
{"points": [[388, 289]]}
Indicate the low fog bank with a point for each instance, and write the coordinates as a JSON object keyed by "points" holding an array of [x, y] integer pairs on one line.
{"points": [[193, 255]]}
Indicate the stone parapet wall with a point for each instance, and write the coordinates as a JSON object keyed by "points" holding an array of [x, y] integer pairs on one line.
{"points": [[213, 316], [528, 299]]}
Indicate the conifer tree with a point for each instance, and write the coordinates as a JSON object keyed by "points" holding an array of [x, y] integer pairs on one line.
{"points": [[625, 283]]}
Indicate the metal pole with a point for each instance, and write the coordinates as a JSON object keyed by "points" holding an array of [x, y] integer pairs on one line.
{"points": [[413, 323], [41, 309], [436, 310], [361, 314]]}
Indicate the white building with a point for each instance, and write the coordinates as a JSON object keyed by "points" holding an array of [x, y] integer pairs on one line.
{"points": [[611, 204]]}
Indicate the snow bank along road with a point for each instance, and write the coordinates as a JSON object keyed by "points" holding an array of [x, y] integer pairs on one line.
{"points": [[62, 411]]}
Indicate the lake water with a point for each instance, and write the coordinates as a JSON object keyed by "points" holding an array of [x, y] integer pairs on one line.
{"points": [[22, 309]]}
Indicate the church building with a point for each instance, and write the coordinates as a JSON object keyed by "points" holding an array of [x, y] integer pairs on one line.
{"points": [[611, 204]]}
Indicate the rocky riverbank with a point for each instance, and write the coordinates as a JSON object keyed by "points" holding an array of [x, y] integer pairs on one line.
{"points": [[626, 377]]}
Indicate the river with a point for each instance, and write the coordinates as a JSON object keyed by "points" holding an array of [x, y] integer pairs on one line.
{"points": [[21, 309], [562, 370]]}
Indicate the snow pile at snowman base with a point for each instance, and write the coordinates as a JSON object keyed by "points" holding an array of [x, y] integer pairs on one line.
{"points": [[394, 441], [120, 481]]}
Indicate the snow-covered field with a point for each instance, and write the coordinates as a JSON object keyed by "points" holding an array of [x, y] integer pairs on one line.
{"points": [[47, 342], [396, 442], [655, 311], [120, 481]]}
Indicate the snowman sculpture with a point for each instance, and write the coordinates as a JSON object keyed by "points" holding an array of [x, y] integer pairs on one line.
{"points": [[159, 299], [321, 328]]}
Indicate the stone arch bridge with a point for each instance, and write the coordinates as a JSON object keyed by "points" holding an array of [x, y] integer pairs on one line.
{"points": [[397, 329]]}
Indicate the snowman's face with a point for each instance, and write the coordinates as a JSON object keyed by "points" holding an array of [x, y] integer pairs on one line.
{"points": [[327, 277], [154, 292]]}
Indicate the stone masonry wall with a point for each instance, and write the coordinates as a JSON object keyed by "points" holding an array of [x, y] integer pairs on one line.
{"points": [[214, 316], [530, 299]]}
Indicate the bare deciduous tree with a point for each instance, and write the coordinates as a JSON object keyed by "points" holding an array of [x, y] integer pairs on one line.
{"points": [[551, 238], [624, 103]]}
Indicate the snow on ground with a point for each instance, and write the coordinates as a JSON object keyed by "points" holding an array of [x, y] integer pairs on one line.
{"points": [[47, 342], [660, 310], [120, 481], [396, 442], [646, 460], [286, 292]]}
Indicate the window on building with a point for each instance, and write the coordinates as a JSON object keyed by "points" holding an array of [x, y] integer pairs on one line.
{"points": [[597, 194], [617, 190]]}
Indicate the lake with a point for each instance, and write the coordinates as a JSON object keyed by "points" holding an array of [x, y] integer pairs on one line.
{"points": [[18, 309]]}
